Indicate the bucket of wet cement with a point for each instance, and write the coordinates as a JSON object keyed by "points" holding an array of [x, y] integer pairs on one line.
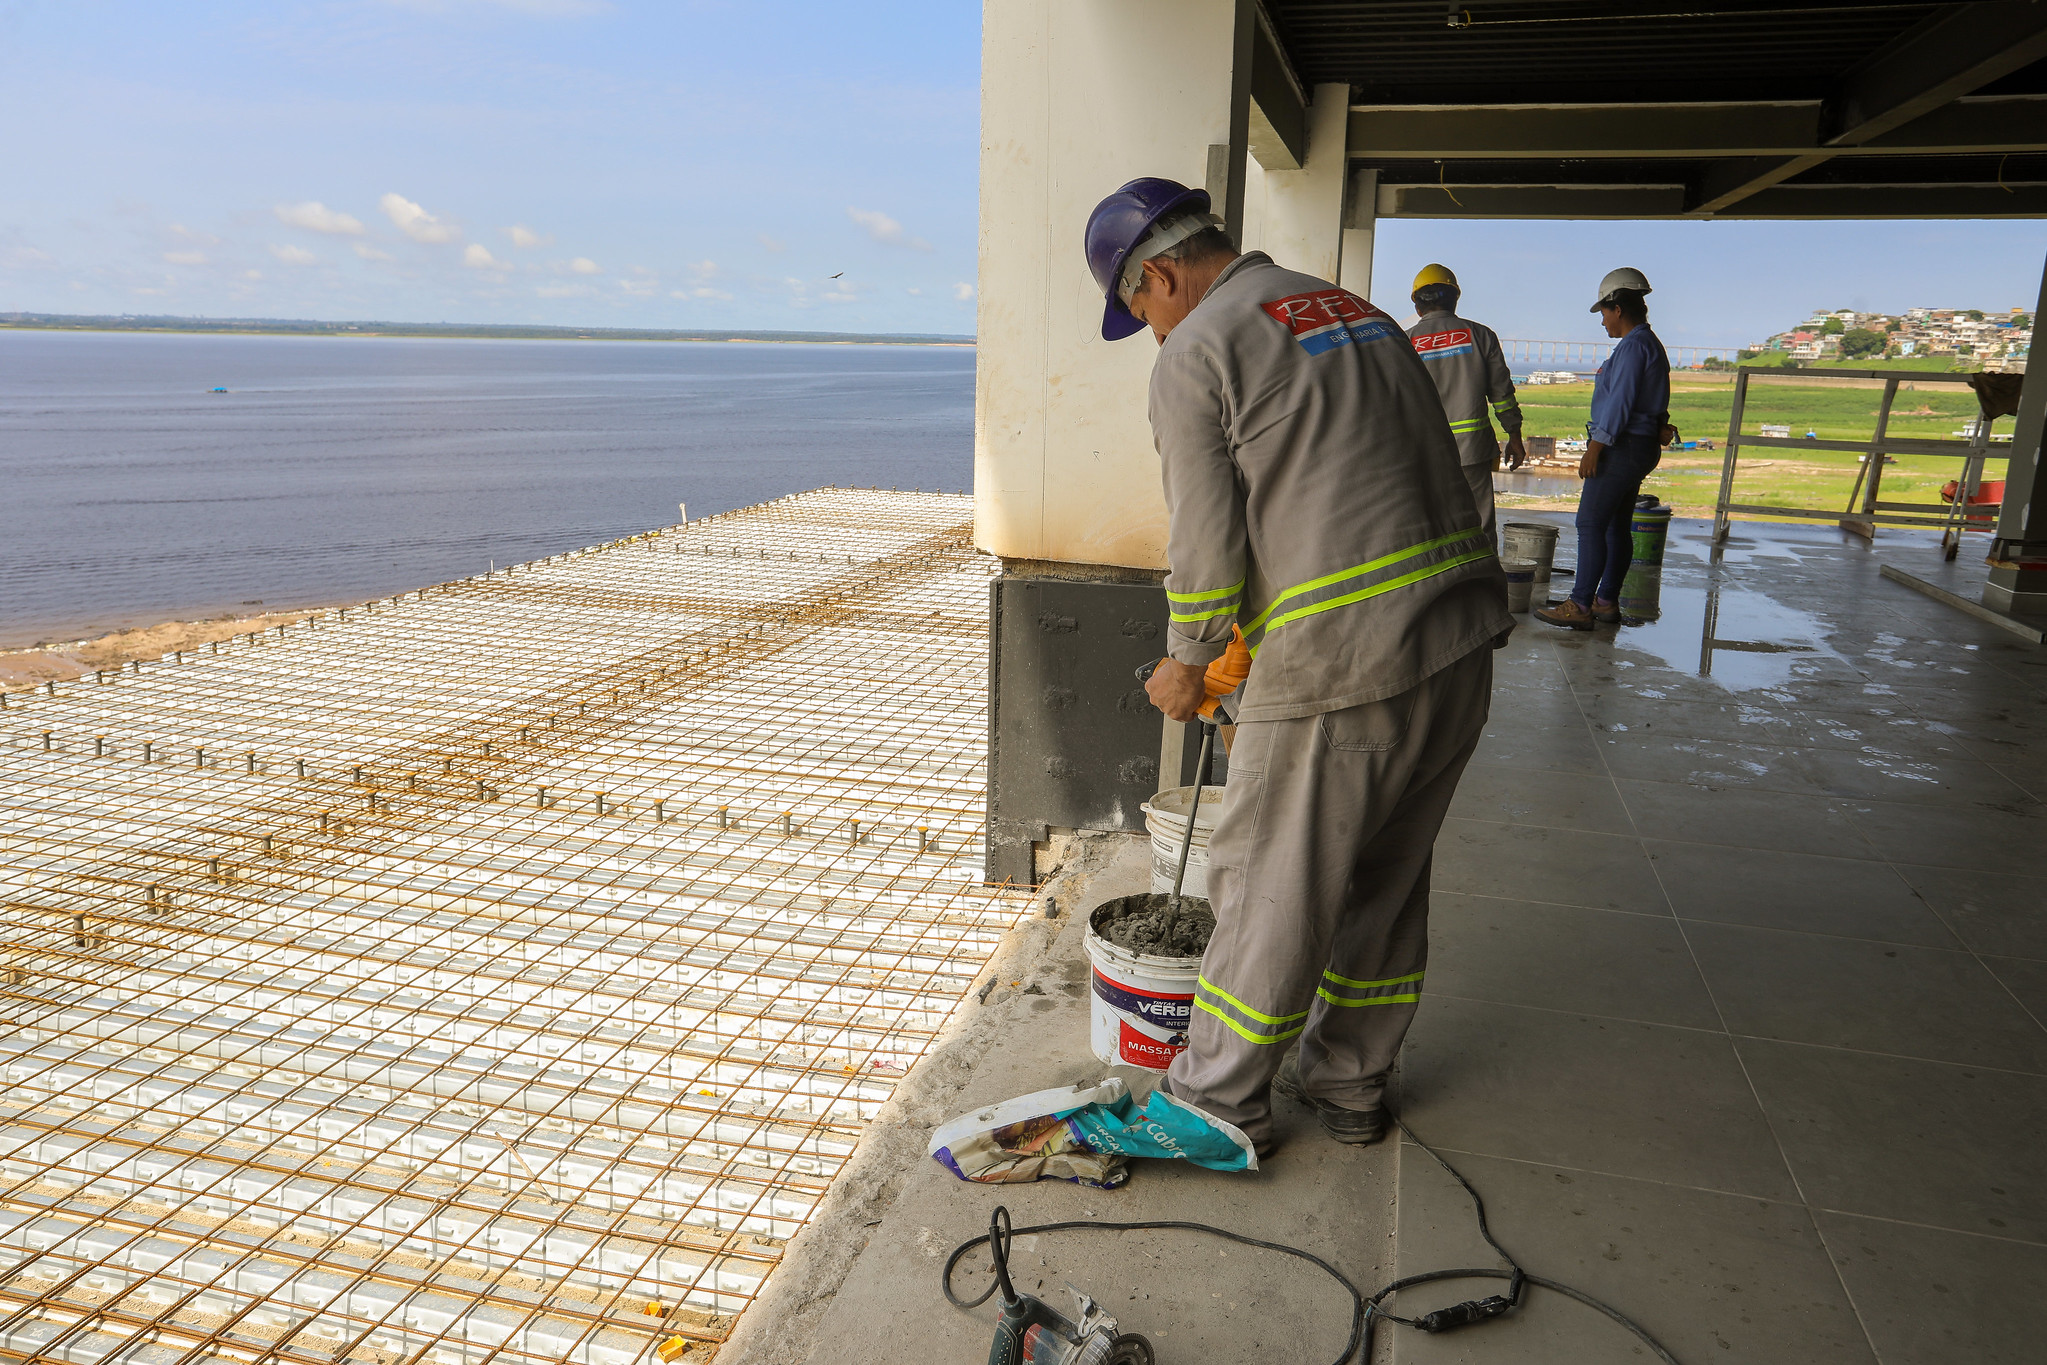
{"points": [[1165, 818], [1143, 989], [1520, 582], [1534, 541]]}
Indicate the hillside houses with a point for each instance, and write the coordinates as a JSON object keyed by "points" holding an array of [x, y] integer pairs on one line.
{"points": [[1989, 340]]}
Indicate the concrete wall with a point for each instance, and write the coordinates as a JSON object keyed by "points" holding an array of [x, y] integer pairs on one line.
{"points": [[1077, 97]]}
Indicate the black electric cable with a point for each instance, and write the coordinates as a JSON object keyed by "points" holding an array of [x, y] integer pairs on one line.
{"points": [[1363, 1310]]}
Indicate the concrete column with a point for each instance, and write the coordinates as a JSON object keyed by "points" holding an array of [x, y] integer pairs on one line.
{"points": [[1302, 227], [1077, 97], [2018, 555], [1360, 223]]}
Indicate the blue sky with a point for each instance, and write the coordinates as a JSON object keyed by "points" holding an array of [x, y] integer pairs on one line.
{"points": [[686, 164], [670, 164]]}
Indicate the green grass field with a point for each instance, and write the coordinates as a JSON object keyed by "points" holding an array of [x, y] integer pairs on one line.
{"points": [[1688, 481]]}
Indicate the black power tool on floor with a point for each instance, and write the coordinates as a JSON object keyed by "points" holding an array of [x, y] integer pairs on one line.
{"points": [[1031, 1332]]}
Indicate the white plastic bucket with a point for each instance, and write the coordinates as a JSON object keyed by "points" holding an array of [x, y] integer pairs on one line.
{"points": [[1536, 541], [1520, 583], [1165, 817], [1140, 1003]]}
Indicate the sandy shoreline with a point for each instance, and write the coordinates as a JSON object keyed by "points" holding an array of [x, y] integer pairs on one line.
{"points": [[61, 661]]}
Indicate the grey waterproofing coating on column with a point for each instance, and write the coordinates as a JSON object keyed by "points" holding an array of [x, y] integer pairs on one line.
{"points": [[356, 1065]]}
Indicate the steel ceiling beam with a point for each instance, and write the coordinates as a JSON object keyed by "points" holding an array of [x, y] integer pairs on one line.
{"points": [[1930, 65], [1646, 131], [1621, 202]]}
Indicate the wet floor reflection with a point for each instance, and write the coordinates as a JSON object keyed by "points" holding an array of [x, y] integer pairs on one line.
{"points": [[1737, 637]]}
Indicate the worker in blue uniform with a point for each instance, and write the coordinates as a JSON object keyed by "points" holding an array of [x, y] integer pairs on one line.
{"points": [[1624, 440]]}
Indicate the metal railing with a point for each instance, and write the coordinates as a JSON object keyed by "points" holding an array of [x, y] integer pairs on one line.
{"points": [[1865, 509]]}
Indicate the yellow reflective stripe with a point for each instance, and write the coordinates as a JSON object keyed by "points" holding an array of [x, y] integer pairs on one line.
{"points": [[1208, 596], [1366, 985], [1388, 586], [1376, 1000], [1369, 566], [1230, 610], [1468, 424], [1216, 990], [1261, 1039]]}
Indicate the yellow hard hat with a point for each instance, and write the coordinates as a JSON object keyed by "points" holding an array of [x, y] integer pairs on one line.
{"points": [[1433, 274]]}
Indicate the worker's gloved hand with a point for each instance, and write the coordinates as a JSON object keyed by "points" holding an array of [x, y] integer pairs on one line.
{"points": [[1517, 453], [1225, 674]]}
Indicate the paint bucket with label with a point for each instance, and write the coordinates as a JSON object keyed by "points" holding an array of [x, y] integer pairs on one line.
{"points": [[1165, 817], [1520, 582], [1535, 541], [1651, 527], [1141, 1003]]}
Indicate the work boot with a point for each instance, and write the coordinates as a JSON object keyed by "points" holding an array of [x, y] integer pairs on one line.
{"points": [[1354, 1126], [1566, 613], [1605, 612]]}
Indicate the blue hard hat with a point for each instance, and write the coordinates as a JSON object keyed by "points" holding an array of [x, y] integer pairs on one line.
{"points": [[1117, 225]]}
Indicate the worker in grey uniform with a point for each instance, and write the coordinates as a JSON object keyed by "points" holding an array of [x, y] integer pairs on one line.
{"points": [[1470, 370], [1314, 503]]}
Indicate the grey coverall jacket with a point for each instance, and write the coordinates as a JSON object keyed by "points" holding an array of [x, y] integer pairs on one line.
{"points": [[1316, 499], [1470, 370]]}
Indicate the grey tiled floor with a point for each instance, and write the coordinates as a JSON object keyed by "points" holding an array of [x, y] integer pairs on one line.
{"points": [[1738, 975]]}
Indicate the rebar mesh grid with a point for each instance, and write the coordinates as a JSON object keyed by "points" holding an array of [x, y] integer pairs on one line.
{"points": [[500, 972]]}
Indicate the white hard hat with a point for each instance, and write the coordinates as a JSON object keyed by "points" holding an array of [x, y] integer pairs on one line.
{"points": [[1627, 277]]}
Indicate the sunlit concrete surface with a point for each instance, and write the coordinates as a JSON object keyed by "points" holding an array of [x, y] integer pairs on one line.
{"points": [[501, 971], [1739, 966], [1732, 1015]]}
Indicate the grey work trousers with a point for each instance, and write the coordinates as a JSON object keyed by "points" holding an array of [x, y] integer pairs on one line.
{"points": [[1480, 477], [1319, 875]]}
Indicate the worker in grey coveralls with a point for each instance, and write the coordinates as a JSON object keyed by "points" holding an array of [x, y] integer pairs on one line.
{"points": [[1314, 500], [1470, 370]]}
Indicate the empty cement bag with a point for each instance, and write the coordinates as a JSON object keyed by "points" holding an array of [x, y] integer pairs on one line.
{"points": [[1084, 1133]]}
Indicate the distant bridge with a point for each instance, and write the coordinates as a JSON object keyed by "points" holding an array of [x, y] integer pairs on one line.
{"points": [[1589, 355]]}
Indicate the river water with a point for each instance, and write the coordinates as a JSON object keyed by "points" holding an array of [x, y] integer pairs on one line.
{"points": [[337, 469]]}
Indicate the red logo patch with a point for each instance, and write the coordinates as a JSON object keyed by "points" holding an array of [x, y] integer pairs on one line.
{"points": [[1303, 313], [1437, 341]]}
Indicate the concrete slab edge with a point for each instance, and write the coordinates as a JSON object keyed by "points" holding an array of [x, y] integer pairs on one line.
{"points": [[779, 1328], [2022, 629]]}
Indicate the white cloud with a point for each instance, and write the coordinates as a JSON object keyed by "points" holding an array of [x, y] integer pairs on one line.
{"points": [[522, 235], [252, 274], [204, 238], [370, 253], [185, 257], [583, 265], [415, 222], [22, 254], [702, 291], [562, 291], [315, 216], [293, 255], [885, 229], [914, 291], [963, 291], [704, 270], [640, 282], [477, 256], [772, 244]]}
